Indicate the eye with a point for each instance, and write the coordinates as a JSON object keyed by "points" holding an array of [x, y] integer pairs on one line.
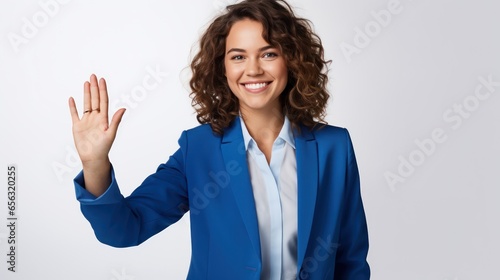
{"points": [[270, 55], [237, 57]]}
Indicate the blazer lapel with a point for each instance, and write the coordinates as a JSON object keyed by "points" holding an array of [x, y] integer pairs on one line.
{"points": [[234, 154], [307, 183]]}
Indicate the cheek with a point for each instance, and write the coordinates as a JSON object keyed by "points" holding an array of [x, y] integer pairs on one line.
{"points": [[281, 73], [232, 74], [225, 68], [278, 69], [231, 78], [283, 70]]}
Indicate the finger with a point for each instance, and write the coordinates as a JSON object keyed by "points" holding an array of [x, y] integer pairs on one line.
{"points": [[86, 97], [103, 96], [115, 121], [73, 111], [94, 93]]}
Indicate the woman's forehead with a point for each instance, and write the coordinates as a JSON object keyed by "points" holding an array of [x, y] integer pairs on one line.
{"points": [[246, 34]]}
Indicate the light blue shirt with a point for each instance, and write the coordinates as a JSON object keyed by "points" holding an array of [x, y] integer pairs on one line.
{"points": [[274, 188]]}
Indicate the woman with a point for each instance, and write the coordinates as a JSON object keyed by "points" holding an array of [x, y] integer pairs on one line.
{"points": [[272, 191]]}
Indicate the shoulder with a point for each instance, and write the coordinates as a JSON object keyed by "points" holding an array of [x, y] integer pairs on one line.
{"points": [[331, 137], [328, 133], [199, 137], [201, 131], [327, 130]]}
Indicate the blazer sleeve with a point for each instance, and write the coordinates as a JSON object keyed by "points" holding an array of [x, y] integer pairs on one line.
{"points": [[352, 253], [158, 202]]}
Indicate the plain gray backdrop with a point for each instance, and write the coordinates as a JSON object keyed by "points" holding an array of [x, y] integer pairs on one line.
{"points": [[417, 83]]}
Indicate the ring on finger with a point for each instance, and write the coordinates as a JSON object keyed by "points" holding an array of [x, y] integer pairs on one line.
{"points": [[87, 111], [96, 109]]}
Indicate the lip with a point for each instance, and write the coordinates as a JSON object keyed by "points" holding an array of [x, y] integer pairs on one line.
{"points": [[256, 90]]}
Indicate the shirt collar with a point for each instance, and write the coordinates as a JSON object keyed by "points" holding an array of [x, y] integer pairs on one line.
{"points": [[286, 133]]}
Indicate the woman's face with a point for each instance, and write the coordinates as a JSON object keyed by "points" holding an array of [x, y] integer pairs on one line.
{"points": [[256, 71]]}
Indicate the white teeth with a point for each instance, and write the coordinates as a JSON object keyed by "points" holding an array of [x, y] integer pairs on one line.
{"points": [[255, 86]]}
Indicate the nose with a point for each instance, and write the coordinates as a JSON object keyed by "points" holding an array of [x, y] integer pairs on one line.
{"points": [[253, 67]]}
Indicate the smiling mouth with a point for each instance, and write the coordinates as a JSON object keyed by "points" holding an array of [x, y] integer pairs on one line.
{"points": [[254, 86]]}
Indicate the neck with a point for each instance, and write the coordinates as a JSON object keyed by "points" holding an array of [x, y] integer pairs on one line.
{"points": [[264, 127]]}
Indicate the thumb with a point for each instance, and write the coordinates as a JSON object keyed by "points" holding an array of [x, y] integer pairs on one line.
{"points": [[115, 121]]}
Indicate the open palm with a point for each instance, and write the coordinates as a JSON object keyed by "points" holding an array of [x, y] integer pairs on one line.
{"points": [[93, 133]]}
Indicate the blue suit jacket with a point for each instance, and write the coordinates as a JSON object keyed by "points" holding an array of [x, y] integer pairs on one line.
{"points": [[208, 175]]}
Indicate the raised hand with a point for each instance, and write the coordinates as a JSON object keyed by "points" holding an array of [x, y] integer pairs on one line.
{"points": [[94, 134]]}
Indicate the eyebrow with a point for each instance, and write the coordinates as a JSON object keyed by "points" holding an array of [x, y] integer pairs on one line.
{"points": [[242, 50]]}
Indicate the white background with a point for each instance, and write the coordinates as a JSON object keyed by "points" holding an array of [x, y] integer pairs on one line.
{"points": [[441, 222]]}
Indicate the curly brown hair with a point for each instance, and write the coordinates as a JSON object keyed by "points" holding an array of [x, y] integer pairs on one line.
{"points": [[305, 97]]}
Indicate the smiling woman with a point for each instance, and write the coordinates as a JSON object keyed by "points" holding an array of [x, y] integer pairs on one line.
{"points": [[256, 72], [257, 75], [291, 38], [272, 191]]}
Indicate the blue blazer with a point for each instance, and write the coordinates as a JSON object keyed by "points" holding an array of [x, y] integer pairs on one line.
{"points": [[208, 176]]}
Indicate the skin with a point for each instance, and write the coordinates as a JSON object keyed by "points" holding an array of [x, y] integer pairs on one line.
{"points": [[94, 134], [249, 59]]}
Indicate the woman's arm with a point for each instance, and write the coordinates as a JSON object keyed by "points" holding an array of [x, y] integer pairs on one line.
{"points": [[94, 135], [118, 221], [351, 255]]}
